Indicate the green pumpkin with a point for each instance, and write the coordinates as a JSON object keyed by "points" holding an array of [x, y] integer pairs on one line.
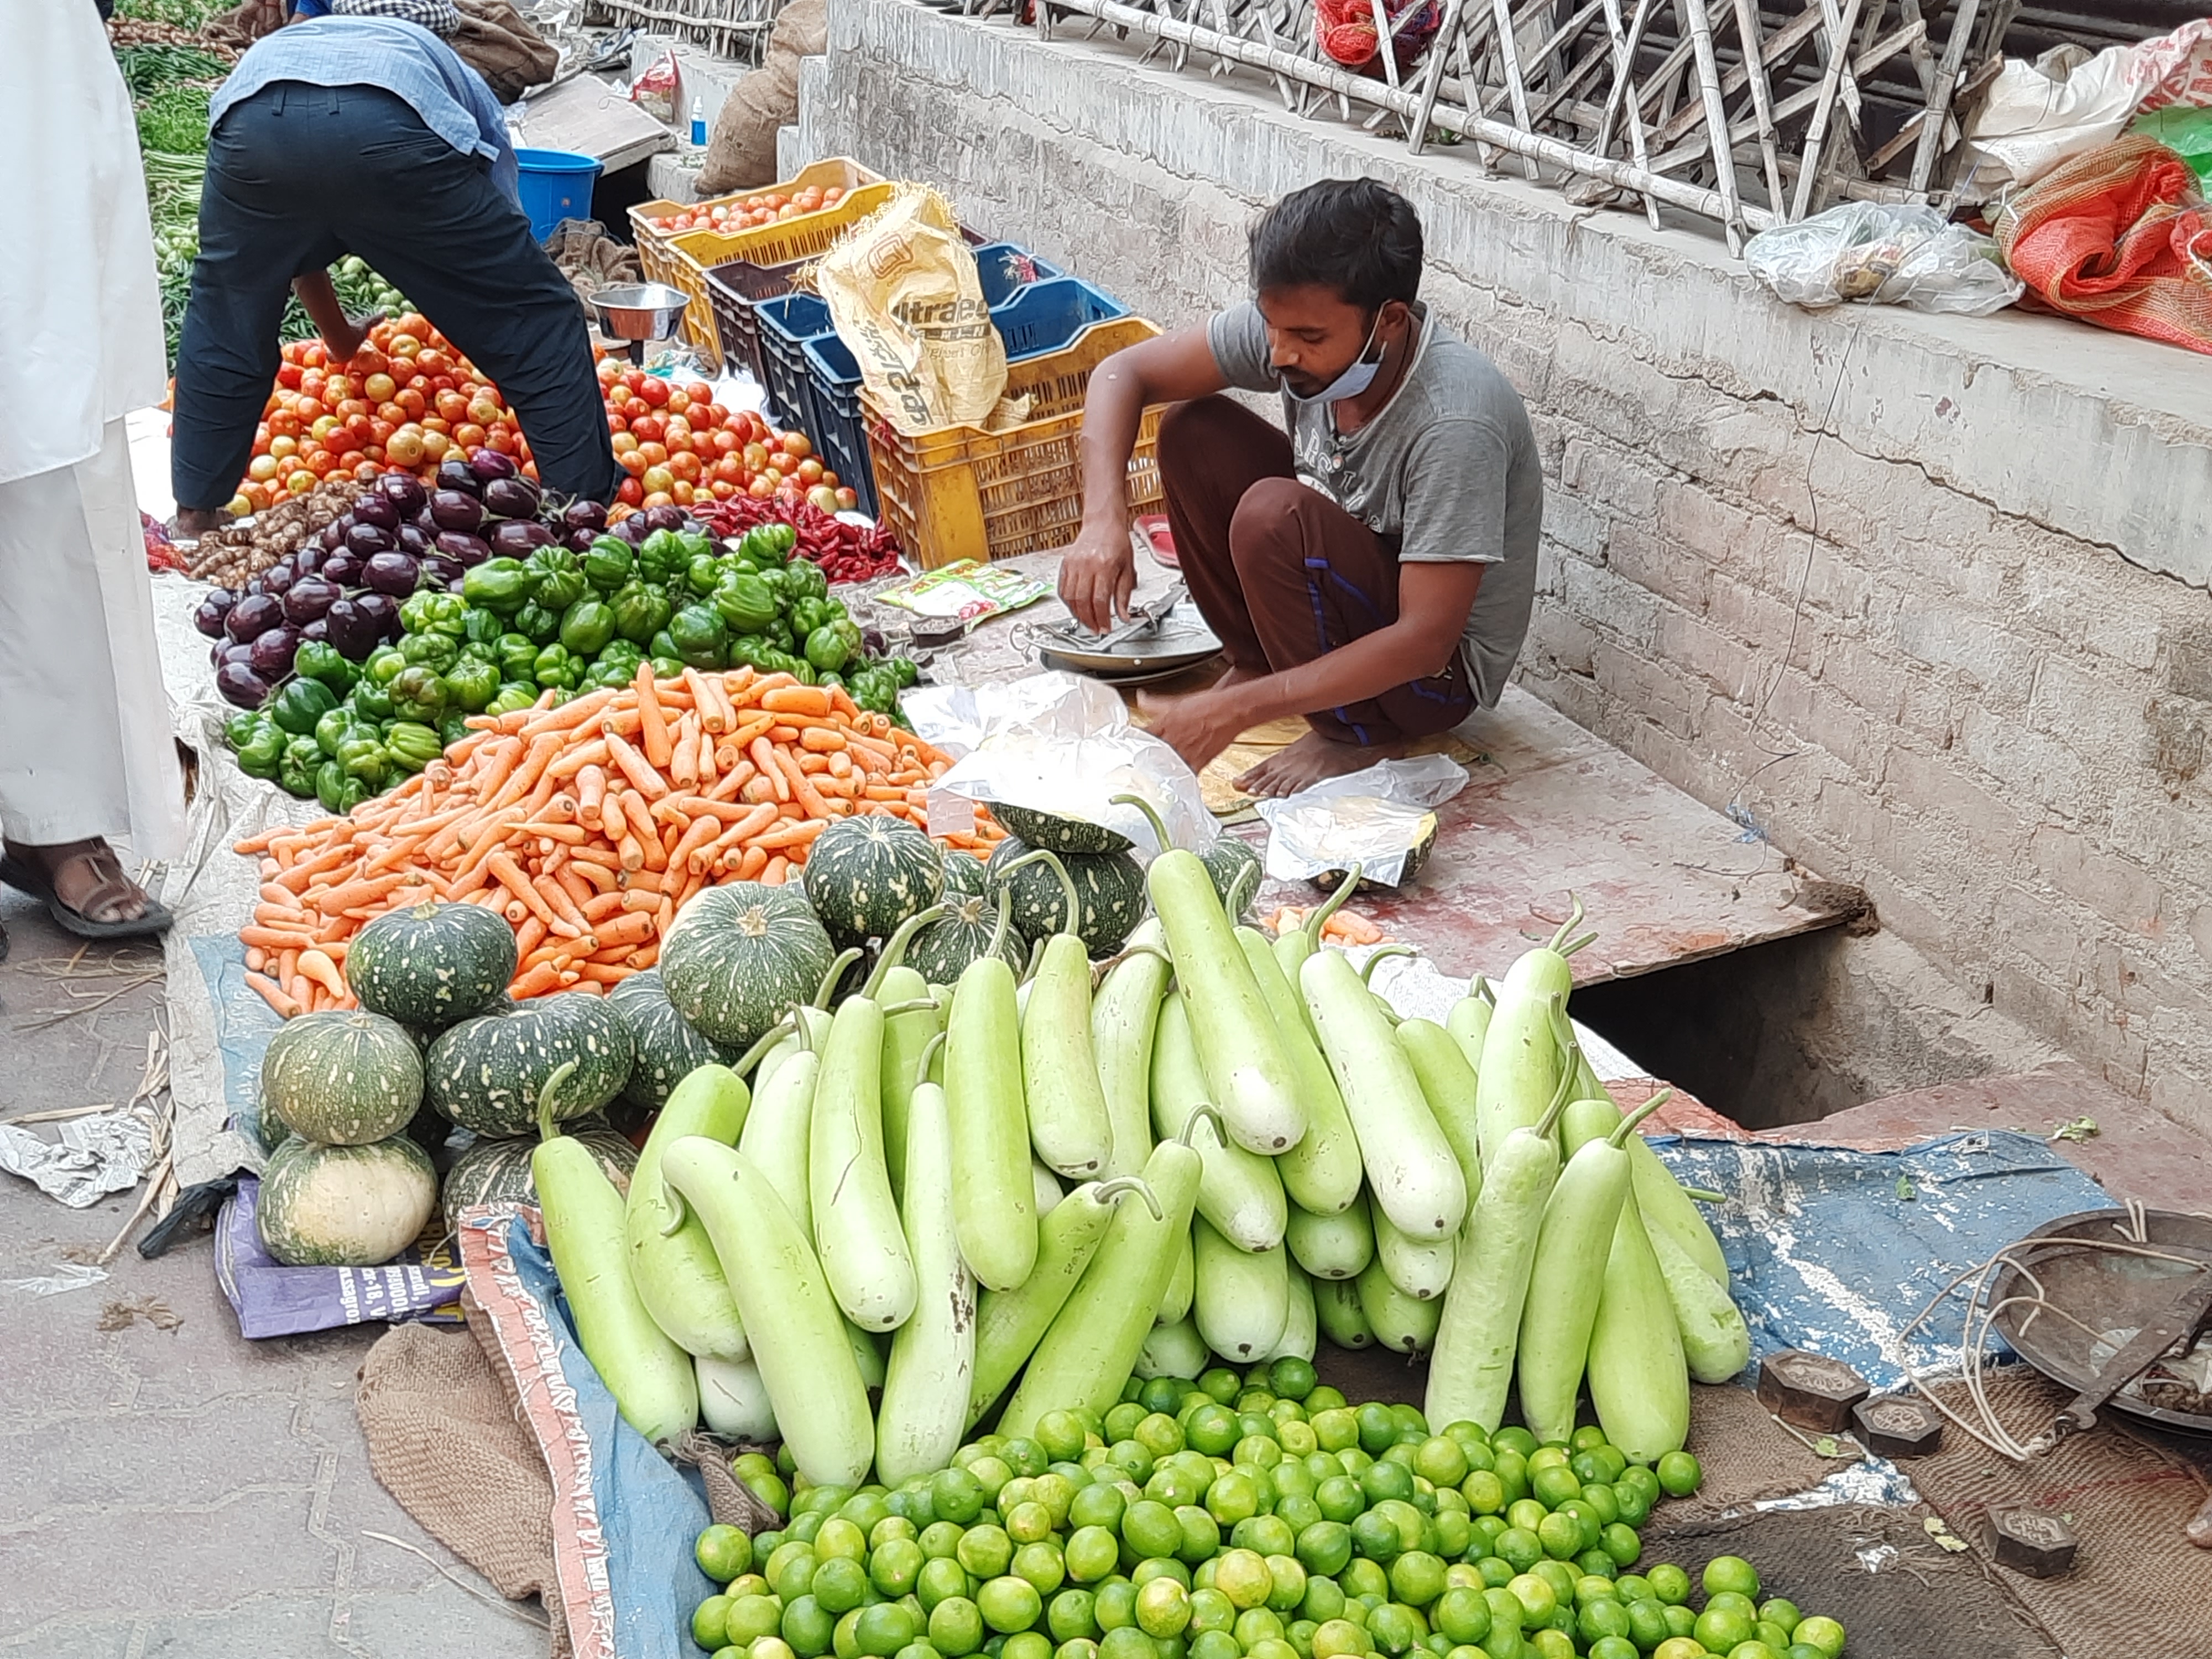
{"points": [[865, 875], [486, 1074], [434, 964], [344, 1206], [342, 1078], [941, 951], [738, 957], [495, 1169], [963, 873], [1056, 834], [1109, 888], [668, 1049], [1227, 862]]}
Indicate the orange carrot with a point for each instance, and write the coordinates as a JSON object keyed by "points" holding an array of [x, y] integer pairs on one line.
{"points": [[653, 727], [796, 699]]}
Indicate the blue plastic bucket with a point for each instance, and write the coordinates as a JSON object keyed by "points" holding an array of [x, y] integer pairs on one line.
{"points": [[554, 185]]}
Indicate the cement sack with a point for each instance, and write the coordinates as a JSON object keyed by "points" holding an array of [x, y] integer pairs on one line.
{"points": [[903, 291], [741, 151]]}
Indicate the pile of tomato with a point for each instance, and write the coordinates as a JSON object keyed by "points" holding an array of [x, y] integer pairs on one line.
{"points": [[408, 398], [750, 212]]}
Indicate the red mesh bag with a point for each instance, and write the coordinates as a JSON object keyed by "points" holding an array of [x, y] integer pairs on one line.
{"points": [[2118, 236], [1345, 29]]}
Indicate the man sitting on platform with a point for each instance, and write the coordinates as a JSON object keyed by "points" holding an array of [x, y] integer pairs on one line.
{"points": [[1371, 569]]}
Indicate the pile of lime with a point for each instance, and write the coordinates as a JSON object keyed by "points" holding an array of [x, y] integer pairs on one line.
{"points": [[1251, 1517]]}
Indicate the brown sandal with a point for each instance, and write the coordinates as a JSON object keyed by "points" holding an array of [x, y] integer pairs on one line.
{"points": [[29, 876]]}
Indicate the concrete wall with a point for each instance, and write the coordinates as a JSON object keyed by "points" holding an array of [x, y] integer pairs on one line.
{"points": [[1922, 597]]}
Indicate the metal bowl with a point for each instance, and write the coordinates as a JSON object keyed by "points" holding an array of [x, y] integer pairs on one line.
{"points": [[640, 311]]}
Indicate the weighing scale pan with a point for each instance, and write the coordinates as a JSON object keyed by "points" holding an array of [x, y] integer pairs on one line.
{"points": [[2105, 1291]]}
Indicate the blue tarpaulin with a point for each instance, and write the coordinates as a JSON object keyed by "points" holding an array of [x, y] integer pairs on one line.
{"points": [[1836, 1250]]}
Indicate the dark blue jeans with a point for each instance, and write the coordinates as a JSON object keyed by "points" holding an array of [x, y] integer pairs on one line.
{"points": [[298, 176]]}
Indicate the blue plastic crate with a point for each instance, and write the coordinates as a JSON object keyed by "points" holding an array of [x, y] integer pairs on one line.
{"points": [[842, 433], [1005, 267], [1048, 316], [785, 325]]}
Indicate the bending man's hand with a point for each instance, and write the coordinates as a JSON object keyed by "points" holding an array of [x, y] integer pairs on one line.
{"points": [[1098, 577], [1198, 726]]}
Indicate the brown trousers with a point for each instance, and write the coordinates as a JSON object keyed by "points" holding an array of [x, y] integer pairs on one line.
{"points": [[1281, 574]]}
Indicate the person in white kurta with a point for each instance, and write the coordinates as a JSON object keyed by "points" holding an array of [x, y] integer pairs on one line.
{"points": [[86, 754]]}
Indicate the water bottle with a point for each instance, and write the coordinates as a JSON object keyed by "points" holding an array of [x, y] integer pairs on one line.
{"points": [[698, 123]]}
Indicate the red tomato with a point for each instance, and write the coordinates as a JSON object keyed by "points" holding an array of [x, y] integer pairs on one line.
{"points": [[654, 391], [699, 392], [288, 376], [684, 466], [632, 462], [722, 489], [630, 492], [657, 479], [469, 435]]}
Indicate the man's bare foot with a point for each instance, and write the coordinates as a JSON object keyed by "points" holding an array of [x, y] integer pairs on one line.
{"points": [[86, 878], [1310, 760], [194, 522]]}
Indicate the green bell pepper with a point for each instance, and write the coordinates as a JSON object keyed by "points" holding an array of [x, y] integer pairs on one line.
{"points": [[512, 698], [555, 668], [470, 684], [238, 730], [641, 609], [453, 727], [660, 647], [703, 574], [435, 652], [702, 638], [751, 651], [262, 750], [371, 702], [607, 674], [410, 745], [665, 668], [560, 576], [806, 579], [608, 563], [298, 704], [480, 627], [295, 767], [768, 544], [746, 603], [536, 623], [826, 649], [334, 728], [695, 543], [433, 612], [382, 666], [320, 661], [622, 658], [501, 585], [587, 626], [515, 653], [337, 791], [779, 635], [907, 670], [363, 757], [419, 694], [662, 556]]}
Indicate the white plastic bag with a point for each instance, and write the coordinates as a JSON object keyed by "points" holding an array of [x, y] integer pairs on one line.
{"points": [[1055, 743], [1372, 818], [1884, 253], [2034, 117]]}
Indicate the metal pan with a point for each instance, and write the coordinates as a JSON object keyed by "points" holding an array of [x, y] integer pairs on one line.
{"points": [[1168, 669], [1175, 646]]}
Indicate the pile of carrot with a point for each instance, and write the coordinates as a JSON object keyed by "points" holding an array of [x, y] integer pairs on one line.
{"points": [[1346, 926], [588, 827]]}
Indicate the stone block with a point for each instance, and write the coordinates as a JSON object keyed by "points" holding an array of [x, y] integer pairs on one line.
{"points": [[2119, 890]]}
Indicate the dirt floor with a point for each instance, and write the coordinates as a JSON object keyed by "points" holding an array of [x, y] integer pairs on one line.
{"points": [[174, 1490]]}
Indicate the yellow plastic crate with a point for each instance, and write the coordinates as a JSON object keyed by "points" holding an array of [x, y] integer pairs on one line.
{"points": [[960, 492], [693, 253], [653, 257]]}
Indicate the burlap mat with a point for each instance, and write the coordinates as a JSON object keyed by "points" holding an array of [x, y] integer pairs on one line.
{"points": [[444, 1440], [1217, 784], [2137, 1585]]}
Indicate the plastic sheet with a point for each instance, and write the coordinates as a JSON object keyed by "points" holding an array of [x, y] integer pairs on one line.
{"points": [[272, 1299], [1884, 254]]}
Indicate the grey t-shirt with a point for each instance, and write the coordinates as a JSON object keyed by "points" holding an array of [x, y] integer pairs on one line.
{"points": [[1449, 465]]}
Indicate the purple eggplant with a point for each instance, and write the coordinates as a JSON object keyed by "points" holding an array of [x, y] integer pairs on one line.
{"points": [[405, 491], [464, 551], [439, 571], [215, 651], [518, 538], [382, 610], [232, 651], [584, 515], [511, 498], [236, 683], [662, 517], [253, 617], [212, 611], [633, 530], [580, 541], [454, 473], [488, 465], [343, 571], [308, 560], [377, 509], [278, 579], [413, 538], [456, 510], [333, 536], [369, 539], [309, 597], [316, 632], [352, 629], [272, 652], [395, 573]]}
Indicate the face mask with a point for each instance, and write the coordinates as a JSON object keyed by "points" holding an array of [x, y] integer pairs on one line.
{"points": [[1355, 379]]}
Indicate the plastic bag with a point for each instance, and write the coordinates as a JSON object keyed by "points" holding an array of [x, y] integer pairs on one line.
{"points": [[654, 91], [2037, 114], [1054, 743], [1884, 253], [902, 290], [1376, 818]]}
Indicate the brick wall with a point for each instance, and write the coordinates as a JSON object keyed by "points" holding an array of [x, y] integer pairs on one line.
{"points": [[1890, 586]]}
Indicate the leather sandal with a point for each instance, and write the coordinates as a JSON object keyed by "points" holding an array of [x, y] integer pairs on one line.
{"points": [[29, 876]]}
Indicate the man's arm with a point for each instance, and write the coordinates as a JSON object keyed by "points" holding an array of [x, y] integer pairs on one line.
{"points": [[1098, 574], [320, 302]]}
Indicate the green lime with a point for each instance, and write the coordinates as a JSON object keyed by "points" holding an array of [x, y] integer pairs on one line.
{"points": [[1201, 1533], [1417, 1579], [939, 1538], [1068, 1615], [795, 1578], [1272, 1647], [1679, 1474], [1602, 1617], [1113, 1604], [1386, 1479], [1722, 1628], [1163, 1607], [1091, 1554], [1560, 1536], [1222, 1383], [1211, 1609], [1161, 1393], [993, 1471], [1669, 1583], [1120, 1421], [1393, 1629], [1512, 1472], [1009, 1604], [1099, 1504], [1802, 1650], [1821, 1632], [1334, 1428], [1161, 1566], [1553, 1485], [1212, 1429], [864, 1509], [1296, 1437], [1270, 1534], [1461, 1615], [1520, 1547], [1214, 1644], [1341, 1498], [1061, 1435], [1549, 1457], [724, 1553], [1056, 1493], [1378, 1429], [1296, 1510], [956, 1626], [1772, 1634], [1647, 1622], [886, 1628], [1257, 1450], [1325, 1547], [1127, 1642], [809, 1627], [1339, 1639], [956, 1496], [1601, 1500], [1286, 1576], [1614, 1647], [1242, 1576], [1375, 1537], [1525, 1513], [1079, 1647], [1681, 1621], [1455, 1530], [1730, 1575], [1484, 1491], [940, 1578], [1621, 1543], [749, 1618], [1754, 1648], [1538, 1600], [1291, 1377], [841, 1585], [1734, 1601], [1150, 1528], [1040, 1564], [1158, 1434], [892, 1528], [1132, 1459], [840, 1538], [1596, 1564], [1362, 1578], [984, 1551], [1783, 1611], [707, 1628], [1440, 1458], [1632, 1504], [1174, 1485], [1027, 1522]]}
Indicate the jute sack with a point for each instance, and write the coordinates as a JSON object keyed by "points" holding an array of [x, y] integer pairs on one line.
{"points": [[741, 151], [499, 43], [902, 290]]}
